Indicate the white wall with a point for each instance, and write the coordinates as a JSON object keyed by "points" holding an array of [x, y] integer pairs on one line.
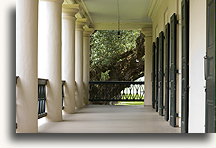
{"points": [[196, 66]]}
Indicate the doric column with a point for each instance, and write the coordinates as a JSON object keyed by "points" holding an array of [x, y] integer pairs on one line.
{"points": [[50, 14], [79, 62], [86, 62], [148, 65], [68, 55], [26, 65]]}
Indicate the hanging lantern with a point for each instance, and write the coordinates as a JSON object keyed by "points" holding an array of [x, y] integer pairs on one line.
{"points": [[118, 14], [119, 34]]}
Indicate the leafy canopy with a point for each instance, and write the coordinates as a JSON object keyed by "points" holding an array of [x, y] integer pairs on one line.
{"points": [[106, 46]]}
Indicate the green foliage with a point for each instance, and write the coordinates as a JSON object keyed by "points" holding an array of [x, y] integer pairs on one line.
{"points": [[105, 75], [106, 46]]}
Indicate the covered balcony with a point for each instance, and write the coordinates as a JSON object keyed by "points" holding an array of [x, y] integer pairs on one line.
{"points": [[54, 93]]}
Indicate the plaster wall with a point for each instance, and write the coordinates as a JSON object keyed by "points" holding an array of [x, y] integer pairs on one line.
{"points": [[196, 64]]}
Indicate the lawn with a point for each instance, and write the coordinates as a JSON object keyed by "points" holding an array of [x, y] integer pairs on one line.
{"points": [[130, 103]]}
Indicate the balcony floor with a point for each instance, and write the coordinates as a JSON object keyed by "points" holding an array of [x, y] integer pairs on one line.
{"points": [[110, 119]]}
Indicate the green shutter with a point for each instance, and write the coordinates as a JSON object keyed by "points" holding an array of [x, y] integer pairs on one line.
{"points": [[185, 66], [210, 69], [172, 70], [161, 73], [167, 57], [153, 75], [156, 74]]}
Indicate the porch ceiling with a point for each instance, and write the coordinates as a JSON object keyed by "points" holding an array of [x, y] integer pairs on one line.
{"points": [[103, 14]]}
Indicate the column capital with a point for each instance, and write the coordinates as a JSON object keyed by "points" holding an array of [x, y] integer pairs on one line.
{"points": [[147, 31], [87, 31], [70, 9], [80, 22], [57, 1]]}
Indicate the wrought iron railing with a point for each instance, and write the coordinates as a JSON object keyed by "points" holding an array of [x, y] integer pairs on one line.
{"points": [[42, 98], [63, 85], [116, 91]]}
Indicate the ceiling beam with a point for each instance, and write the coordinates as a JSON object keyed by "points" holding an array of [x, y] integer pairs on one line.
{"points": [[123, 26]]}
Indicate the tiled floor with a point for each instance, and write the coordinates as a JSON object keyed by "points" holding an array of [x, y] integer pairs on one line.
{"points": [[110, 119]]}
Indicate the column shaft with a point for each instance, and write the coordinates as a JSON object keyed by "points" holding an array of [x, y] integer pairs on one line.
{"points": [[26, 66], [148, 65], [68, 57], [50, 12], [79, 64], [86, 63], [86, 48]]}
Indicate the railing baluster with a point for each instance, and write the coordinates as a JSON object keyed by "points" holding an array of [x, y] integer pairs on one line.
{"points": [[16, 83], [116, 91], [42, 98], [44, 104], [63, 85]]}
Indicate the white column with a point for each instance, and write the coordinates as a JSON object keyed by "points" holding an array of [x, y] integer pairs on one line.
{"points": [[50, 12], [86, 62], [68, 55], [26, 65], [79, 62], [148, 65]]}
